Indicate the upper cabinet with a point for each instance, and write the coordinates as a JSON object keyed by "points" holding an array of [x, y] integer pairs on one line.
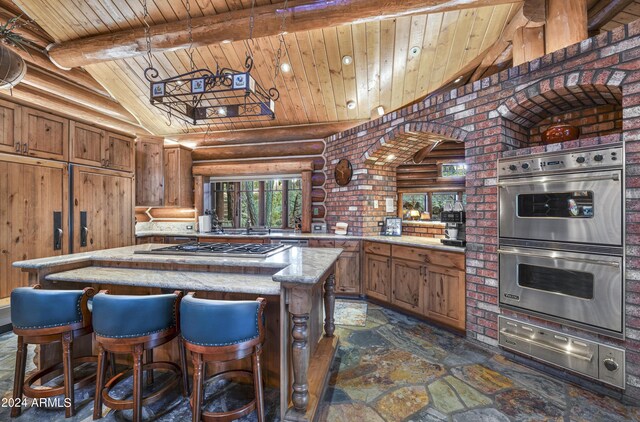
{"points": [[44, 135], [87, 144], [119, 152], [178, 181], [149, 171], [10, 127], [93, 146]]}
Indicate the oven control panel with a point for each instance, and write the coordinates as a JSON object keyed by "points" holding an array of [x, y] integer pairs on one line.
{"points": [[582, 159]]}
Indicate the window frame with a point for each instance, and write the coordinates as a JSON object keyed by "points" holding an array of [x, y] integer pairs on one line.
{"points": [[459, 191]]}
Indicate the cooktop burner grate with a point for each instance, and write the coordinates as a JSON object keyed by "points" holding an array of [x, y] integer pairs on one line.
{"points": [[219, 249]]}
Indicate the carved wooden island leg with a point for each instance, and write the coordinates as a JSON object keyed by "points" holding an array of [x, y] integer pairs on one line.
{"points": [[300, 357], [329, 305]]}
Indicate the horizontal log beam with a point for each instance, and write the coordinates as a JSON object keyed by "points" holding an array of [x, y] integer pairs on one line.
{"points": [[606, 10], [44, 81], [253, 168], [302, 15], [261, 150], [279, 133], [29, 96]]}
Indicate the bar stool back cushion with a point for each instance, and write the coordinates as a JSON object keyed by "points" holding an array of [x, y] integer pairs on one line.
{"points": [[218, 323], [36, 308], [122, 316]]}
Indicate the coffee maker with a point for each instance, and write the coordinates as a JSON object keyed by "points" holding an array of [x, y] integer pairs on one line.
{"points": [[454, 228]]}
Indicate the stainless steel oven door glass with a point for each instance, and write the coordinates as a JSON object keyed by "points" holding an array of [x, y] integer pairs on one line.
{"points": [[579, 287], [578, 207]]}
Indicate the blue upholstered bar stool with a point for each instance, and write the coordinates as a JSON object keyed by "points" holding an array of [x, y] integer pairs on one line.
{"points": [[43, 317], [135, 325], [221, 331]]}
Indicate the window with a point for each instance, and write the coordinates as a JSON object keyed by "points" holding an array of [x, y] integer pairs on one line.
{"points": [[428, 205], [255, 203], [451, 171]]}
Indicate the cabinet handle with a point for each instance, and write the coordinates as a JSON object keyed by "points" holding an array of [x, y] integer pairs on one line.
{"points": [[25, 148], [84, 230], [17, 146], [57, 230]]}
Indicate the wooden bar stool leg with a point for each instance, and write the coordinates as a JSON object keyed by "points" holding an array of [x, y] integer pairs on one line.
{"points": [[67, 351], [149, 359], [185, 368], [101, 372], [137, 383], [112, 364], [18, 379], [257, 383], [198, 380]]}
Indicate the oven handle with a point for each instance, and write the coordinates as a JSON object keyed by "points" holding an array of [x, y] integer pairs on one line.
{"points": [[586, 260], [566, 178], [587, 358]]}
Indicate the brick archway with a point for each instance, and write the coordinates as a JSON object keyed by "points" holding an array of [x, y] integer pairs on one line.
{"points": [[400, 143], [563, 93]]}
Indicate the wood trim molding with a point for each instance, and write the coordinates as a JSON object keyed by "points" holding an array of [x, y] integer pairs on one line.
{"points": [[256, 167]]}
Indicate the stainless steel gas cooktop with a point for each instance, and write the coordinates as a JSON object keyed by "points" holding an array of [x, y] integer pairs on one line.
{"points": [[236, 250]]}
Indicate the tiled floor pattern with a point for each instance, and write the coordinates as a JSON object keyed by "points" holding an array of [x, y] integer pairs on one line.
{"points": [[394, 368]]}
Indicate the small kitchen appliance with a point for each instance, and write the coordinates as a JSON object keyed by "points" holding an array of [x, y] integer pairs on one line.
{"points": [[454, 228]]}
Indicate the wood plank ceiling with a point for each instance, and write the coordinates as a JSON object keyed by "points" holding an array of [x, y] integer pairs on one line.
{"points": [[384, 70]]}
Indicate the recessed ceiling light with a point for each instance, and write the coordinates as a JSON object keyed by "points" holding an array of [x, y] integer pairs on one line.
{"points": [[347, 60], [391, 157], [222, 111], [226, 41], [414, 51], [351, 105], [285, 67], [380, 110], [458, 79]]}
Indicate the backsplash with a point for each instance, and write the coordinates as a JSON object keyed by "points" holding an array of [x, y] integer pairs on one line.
{"points": [[434, 229]]}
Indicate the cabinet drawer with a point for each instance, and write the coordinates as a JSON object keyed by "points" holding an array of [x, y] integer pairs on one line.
{"points": [[377, 248], [321, 243], [429, 256], [348, 245]]}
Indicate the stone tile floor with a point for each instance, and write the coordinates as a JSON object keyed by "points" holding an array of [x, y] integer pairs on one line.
{"points": [[395, 368]]}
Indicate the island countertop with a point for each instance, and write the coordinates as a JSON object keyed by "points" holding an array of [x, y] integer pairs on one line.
{"points": [[293, 265]]}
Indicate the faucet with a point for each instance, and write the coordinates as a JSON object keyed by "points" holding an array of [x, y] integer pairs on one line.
{"points": [[249, 229]]}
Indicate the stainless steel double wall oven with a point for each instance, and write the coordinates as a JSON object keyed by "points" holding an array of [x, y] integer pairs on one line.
{"points": [[561, 237]]}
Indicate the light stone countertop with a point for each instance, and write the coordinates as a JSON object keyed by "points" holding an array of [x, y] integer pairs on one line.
{"points": [[293, 265], [416, 241], [181, 280]]}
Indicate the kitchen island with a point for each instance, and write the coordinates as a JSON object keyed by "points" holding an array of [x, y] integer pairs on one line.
{"points": [[298, 284]]}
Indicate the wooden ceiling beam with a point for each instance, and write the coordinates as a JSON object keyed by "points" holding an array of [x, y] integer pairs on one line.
{"points": [[496, 51], [30, 96], [419, 156], [302, 15], [605, 10], [46, 82], [266, 134]]}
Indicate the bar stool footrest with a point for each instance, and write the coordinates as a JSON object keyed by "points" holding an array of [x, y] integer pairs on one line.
{"points": [[230, 415], [128, 404], [44, 392]]}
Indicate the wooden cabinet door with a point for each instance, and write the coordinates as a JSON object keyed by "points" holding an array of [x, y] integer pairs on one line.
{"points": [[149, 172], [119, 152], [87, 144], [348, 273], [407, 287], [445, 300], [10, 128], [105, 197], [46, 135], [32, 192], [178, 181], [378, 276]]}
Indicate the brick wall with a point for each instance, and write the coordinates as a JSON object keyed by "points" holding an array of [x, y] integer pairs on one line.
{"points": [[434, 230], [493, 117]]}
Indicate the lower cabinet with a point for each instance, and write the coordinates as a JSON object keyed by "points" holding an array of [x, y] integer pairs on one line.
{"points": [[348, 280], [411, 279], [348, 273], [407, 284], [378, 276], [446, 295]]}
